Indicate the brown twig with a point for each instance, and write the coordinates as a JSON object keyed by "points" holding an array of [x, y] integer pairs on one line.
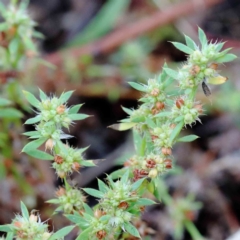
{"points": [[138, 28]]}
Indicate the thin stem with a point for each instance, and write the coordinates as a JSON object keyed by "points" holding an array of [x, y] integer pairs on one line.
{"points": [[193, 231]]}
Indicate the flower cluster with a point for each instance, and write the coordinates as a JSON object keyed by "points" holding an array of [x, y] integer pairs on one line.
{"points": [[69, 200], [119, 203], [52, 115], [163, 113]]}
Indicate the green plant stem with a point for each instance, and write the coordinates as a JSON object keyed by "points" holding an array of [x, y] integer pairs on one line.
{"points": [[193, 231]]}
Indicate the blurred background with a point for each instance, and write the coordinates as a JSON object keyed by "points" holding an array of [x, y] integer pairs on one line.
{"points": [[97, 46]]}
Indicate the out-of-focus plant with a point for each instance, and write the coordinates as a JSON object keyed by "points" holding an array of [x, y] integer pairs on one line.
{"points": [[156, 124], [16, 48]]}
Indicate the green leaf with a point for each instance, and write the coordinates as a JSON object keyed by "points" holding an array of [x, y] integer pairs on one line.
{"points": [[32, 99], [226, 58], [202, 37], [162, 114], [5, 228], [219, 46], [137, 184], [102, 186], [24, 211], [167, 83], [84, 235], [78, 116], [93, 192], [40, 154], [34, 120], [88, 163], [78, 220], [75, 109], [138, 86], [10, 236], [131, 229], [10, 113], [88, 210], [34, 144], [188, 138], [43, 96], [65, 96], [172, 73], [122, 126], [145, 202], [127, 110], [190, 43], [13, 46], [182, 47], [4, 102], [118, 173], [62, 233], [31, 133], [125, 177], [53, 201], [150, 123], [176, 131]]}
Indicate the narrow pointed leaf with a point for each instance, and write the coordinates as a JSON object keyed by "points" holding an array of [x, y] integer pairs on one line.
{"points": [[102, 186], [202, 37], [65, 96], [172, 73], [190, 43], [93, 192], [34, 144], [137, 184], [138, 86], [40, 154], [131, 229], [226, 58], [62, 233], [145, 202], [33, 120], [24, 211], [5, 228], [122, 126], [84, 235], [176, 131], [78, 116], [188, 138], [75, 108], [32, 99], [126, 110], [43, 96], [4, 102], [182, 47]]}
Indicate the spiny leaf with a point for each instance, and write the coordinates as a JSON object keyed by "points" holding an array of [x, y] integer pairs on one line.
{"points": [[127, 110]]}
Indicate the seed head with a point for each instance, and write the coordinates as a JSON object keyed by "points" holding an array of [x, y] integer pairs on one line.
{"points": [[168, 163], [49, 144], [58, 159], [179, 103]]}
